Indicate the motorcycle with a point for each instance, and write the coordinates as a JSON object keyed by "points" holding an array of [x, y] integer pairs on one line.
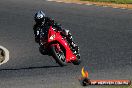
{"points": [[58, 47]]}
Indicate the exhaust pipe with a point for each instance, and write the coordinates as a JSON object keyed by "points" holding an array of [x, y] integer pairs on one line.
{"points": [[4, 55]]}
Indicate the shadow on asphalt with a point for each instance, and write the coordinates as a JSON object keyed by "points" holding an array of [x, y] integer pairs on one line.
{"points": [[31, 68]]}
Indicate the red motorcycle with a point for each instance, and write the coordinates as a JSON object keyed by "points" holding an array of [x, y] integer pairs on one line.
{"points": [[58, 47]]}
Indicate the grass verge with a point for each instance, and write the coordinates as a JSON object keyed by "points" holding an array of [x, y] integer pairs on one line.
{"points": [[112, 1], [125, 4]]}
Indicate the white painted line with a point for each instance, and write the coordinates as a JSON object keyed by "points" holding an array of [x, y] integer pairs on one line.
{"points": [[88, 4], [78, 3], [116, 7], [67, 2], [123, 8], [105, 6], [59, 1], [49, 0], [6, 58]]}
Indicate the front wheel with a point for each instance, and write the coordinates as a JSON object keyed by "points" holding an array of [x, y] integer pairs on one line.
{"points": [[78, 60], [59, 55]]}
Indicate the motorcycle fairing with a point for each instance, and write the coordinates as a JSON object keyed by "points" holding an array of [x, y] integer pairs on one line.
{"points": [[56, 36]]}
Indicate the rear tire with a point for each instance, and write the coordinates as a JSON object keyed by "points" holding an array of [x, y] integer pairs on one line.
{"points": [[59, 57], [43, 51]]}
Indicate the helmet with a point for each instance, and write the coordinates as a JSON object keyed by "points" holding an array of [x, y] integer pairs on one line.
{"points": [[39, 17]]}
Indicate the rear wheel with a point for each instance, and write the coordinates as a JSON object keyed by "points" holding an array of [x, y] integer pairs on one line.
{"points": [[42, 50], [58, 55]]}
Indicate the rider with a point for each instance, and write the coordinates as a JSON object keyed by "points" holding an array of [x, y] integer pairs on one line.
{"points": [[42, 21]]}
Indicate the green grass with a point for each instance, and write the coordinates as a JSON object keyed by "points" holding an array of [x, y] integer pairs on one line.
{"points": [[113, 1]]}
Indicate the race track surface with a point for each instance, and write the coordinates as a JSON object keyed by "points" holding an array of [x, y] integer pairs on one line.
{"points": [[104, 36]]}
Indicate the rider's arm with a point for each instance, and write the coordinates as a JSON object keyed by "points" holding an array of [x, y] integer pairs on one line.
{"points": [[58, 26], [53, 23], [35, 28], [49, 21]]}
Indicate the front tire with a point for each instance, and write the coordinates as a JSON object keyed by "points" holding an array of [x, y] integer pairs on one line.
{"points": [[78, 60], [58, 56]]}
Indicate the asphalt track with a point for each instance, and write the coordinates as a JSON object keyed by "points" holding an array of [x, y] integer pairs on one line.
{"points": [[104, 36]]}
